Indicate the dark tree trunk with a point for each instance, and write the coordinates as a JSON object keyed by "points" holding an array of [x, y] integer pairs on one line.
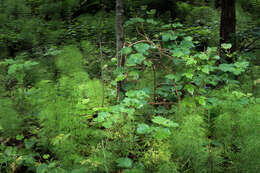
{"points": [[162, 6], [119, 40], [217, 3], [228, 23], [173, 10]]}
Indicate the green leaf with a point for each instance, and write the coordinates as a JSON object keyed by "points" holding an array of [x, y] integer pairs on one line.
{"points": [[191, 61], [176, 25], [216, 57], [170, 76], [226, 46], [46, 156], [238, 94], [202, 100], [142, 48], [7, 62], [205, 69], [120, 77], [164, 122], [19, 137], [177, 53], [29, 64], [137, 20], [161, 133], [12, 69], [134, 74], [236, 68], [113, 60], [124, 162], [187, 43], [102, 116], [169, 36], [190, 88], [188, 38], [134, 59], [188, 75], [140, 94], [29, 143], [134, 21], [143, 7], [143, 129], [241, 67], [151, 12], [226, 67], [151, 21], [107, 124], [257, 81], [148, 63], [203, 56], [126, 50]]}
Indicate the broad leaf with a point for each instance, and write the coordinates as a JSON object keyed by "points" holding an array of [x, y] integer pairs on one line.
{"points": [[142, 48], [124, 162], [164, 122], [177, 53], [126, 50], [143, 129], [102, 116], [135, 59], [226, 46], [161, 133], [169, 36], [170, 76], [190, 88]]}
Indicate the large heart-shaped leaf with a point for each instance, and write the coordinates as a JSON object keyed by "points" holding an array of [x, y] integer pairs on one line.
{"points": [[164, 122]]}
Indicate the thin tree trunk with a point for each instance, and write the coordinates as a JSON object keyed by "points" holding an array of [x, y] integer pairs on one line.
{"points": [[101, 54], [119, 41], [228, 23]]}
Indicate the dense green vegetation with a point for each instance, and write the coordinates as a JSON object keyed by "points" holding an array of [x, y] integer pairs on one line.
{"points": [[166, 86]]}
